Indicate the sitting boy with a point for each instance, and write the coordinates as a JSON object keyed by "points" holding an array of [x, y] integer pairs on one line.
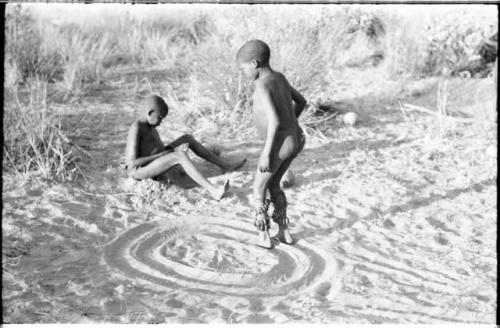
{"points": [[276, 107], [147, 156]]}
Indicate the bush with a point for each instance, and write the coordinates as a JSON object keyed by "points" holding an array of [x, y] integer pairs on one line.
{"points": [[366, 22], [438, 45], [33, 140], [451, 43], [25, 54], [82, 56], [303, 47], [309, 44]]}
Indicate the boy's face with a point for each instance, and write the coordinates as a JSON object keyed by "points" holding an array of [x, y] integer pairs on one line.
{"points": [[249, 69], [155, 117]]}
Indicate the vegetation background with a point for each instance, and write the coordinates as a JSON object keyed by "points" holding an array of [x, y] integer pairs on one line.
{"points": [[59, 53]]}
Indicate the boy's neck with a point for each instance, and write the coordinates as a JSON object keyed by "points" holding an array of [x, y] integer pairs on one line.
{"points": [[146, 121], [263, 72]]}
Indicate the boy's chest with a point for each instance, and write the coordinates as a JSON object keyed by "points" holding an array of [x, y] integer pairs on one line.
{"points": [[151, 137], [256, 105], [259, 118]]}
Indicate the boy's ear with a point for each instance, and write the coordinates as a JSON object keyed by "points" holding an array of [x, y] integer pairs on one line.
{"points": [[255, 63], [150, 111]]}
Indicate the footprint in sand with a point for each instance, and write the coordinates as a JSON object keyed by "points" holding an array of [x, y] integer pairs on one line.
{"points": [[228, 263]]}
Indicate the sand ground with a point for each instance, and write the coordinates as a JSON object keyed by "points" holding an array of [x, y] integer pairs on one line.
{"points": [[391, 226]]}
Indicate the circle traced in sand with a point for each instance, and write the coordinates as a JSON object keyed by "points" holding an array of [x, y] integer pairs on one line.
{"points": [[216, 255]]}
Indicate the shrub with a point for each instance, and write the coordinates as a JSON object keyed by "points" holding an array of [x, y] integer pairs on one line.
{"points": [[33, 140], [303, 47], [367, 22], [451, 43], [440, 44], [25, 53], [82, 56]]}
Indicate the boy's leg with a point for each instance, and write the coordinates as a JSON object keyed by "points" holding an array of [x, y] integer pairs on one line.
{"points": [[261, 205], [204, 153], [166, 162], [156, 167], [278, 199]]}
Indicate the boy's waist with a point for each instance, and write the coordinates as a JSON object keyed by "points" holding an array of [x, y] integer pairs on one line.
{"points": [[288, 128]]}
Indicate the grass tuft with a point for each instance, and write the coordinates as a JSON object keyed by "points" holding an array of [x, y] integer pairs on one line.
{"points": [[33, 139]]}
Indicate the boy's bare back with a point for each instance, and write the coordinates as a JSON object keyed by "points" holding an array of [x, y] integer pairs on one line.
{"points": [[275, 85], [273, 90]]}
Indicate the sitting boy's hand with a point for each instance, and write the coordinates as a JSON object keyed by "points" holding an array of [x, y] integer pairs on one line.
{"points": [[264, 164], [183, 147]]}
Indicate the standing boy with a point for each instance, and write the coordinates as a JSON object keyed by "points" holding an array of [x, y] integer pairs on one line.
{"points": [[276, 107]]}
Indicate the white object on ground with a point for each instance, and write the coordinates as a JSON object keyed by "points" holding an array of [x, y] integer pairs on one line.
{"points": [[350, 118]]}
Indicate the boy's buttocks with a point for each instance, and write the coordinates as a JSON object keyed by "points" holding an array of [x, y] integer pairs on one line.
{"points": [[288, 143]]}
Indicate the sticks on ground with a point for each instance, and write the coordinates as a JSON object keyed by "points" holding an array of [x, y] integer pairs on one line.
{"points": [[421, 109]]}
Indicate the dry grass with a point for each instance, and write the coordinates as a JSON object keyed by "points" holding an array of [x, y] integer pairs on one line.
{"points": [[451, 140], [82, 58], [438, 44], [203, 84], [33, 139]]}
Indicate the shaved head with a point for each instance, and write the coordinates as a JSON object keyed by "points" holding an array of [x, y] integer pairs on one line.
{"points": [[157, 104], [254, 50]]}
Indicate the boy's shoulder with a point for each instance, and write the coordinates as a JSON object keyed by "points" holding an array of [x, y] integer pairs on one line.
{"points": [[278, 76], [137, 125], [271, 80]]}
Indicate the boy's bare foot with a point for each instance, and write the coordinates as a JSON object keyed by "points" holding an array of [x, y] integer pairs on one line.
{"points": [[234, 167], [284, 235], [221, 191], [264, 240]]}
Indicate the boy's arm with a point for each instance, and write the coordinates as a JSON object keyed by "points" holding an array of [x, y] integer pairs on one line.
{"points": [[273, 124], [132, 149], [299, 100]]}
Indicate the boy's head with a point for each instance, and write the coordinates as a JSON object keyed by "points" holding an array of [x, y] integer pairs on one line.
{"points": [[252, 55], [156, 109]]}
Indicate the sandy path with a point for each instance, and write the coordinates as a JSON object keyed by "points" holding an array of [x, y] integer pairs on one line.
{"points": [[384, 235]]}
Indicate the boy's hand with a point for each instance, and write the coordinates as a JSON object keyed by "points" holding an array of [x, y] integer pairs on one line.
{"points": [[264, 164], [182, 147]]}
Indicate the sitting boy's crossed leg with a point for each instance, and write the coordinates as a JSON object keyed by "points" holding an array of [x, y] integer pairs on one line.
{"points": [[167, 161]]}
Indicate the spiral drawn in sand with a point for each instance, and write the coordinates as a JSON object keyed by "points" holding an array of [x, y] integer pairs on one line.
{"points": [[216, 255]]}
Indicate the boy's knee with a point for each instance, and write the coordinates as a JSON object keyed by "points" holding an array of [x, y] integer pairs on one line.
{"points": [[132, 174], [188, 137], [180, 155], [274, 188], [277, 195]]}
